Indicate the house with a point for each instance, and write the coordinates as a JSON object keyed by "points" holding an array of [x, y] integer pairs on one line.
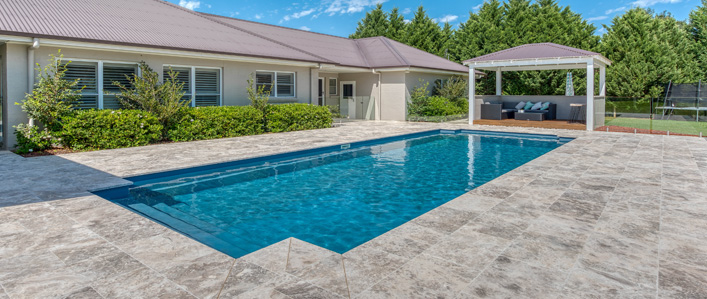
{"points": [[366, 78]]}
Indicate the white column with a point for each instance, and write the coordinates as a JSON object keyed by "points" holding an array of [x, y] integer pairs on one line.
{"points": [[499, 82], [602, 80], [590, 95], [472, 94]]}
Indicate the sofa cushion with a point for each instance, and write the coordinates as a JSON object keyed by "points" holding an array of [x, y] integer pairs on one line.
{"points": [[520, 105], [528, 105], [509, 110], [537, 106], [545, 106]]}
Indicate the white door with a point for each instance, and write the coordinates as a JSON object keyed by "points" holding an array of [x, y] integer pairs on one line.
{"points": [[348, 98]]}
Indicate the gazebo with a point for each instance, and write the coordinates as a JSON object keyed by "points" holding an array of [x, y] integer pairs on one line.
{"points": [[543, 56]]}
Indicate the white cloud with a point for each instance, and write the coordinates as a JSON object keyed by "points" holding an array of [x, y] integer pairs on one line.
{"points": [[446, 19], [406, 10], [477, 7], [305, 28], [192, 5], [297, 15], [599, 18], [407, 21], [647, 3], [258, 16], [350, 6], [601, 30], [610, 11]]}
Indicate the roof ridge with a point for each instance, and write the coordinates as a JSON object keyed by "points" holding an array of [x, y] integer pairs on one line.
{"points": [[571, 49], [395, 51], [361, 53], [242, 30], [273, 25]]}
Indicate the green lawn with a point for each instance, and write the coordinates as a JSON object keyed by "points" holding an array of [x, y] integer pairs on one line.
{"points": [[681, 127]]}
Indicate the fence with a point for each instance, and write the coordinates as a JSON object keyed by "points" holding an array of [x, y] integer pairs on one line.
{"points": [[651, 116]]}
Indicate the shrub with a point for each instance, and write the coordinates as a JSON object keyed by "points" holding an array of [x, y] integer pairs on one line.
{"points": [[439, 106], [106, 129], [31, 138], [145, 92], [216, 122], [452, 88], [52, 96], [294, 117]]}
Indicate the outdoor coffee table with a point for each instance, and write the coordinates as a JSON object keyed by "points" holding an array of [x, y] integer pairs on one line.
{"points": [[530, 116]]}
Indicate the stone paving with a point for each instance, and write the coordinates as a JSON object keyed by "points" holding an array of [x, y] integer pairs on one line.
{"points": [[606, 215]]}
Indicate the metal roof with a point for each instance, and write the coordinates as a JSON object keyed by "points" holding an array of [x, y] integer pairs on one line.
{"points": [[535, 51], [160, 24]]}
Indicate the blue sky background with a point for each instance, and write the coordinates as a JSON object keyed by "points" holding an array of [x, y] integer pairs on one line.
{"points": [[339, 17]]}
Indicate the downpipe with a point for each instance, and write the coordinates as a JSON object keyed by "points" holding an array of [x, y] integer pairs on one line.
{"points": [[378, 100], [30, 69]]}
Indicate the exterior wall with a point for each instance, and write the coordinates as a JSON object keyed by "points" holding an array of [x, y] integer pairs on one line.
{"points": [[413, 80], [234, 74], [14, 76], [394, 94]]}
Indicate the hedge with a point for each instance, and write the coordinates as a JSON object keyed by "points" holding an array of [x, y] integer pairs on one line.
{"points": [[216, 122], [106, 129], [295, 117]]}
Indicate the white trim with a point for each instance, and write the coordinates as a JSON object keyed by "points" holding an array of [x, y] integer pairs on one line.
{"points": [[341, 88], [557, 62], [274, 83], [155, 51], [99, 84]]}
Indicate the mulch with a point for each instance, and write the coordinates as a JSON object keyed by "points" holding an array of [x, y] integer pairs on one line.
{"points": [[639, 131], [50, 152]]}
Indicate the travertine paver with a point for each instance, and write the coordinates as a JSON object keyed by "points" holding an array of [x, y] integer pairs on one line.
{"points": [[606, 215]]}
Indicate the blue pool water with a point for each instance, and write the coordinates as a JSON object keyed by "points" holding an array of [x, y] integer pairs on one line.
{"points": [[335, 197]]}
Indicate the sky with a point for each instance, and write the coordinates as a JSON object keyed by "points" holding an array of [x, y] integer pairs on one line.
{"points": [[340, 17]]}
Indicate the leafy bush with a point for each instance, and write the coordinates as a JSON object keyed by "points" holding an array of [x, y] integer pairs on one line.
{"points": [[106, 129], [52, 96], [294, 117], [145, 92], [438, 106], [452, 88], [31, 138], [216, 122]]}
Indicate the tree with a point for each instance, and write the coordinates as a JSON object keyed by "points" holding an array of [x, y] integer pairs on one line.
{"points": [[446, 41], [423, 33], [698, 32], [374, 24], [145, 92], [647, 52], [396, 26]]}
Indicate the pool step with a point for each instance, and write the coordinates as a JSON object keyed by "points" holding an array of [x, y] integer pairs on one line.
{"points": [[190, 230], [212, 229]]}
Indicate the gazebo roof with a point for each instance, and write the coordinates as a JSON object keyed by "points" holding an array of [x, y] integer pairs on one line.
{"points": [[540, 56]]}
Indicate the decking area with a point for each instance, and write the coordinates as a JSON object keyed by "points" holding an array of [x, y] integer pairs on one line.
{"points": [[546, 124], [605, 215]]}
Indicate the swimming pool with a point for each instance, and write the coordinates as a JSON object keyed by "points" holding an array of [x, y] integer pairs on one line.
{"points": [[335, 197]]}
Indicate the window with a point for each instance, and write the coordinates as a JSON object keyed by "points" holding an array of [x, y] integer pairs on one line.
{"points": [[96, 78], [332, 86], [204, 89], [280, 84]]}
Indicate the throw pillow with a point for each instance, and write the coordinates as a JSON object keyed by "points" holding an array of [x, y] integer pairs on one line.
{"points": [[537, 106], [520, 105], [528, 105], [545, 106]]}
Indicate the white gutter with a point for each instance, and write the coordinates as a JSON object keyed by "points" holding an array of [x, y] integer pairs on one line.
{"points": [[380, 93], [30, 69]]}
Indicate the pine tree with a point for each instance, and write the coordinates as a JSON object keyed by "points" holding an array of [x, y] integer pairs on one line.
{"points": [[396, 26], [698, 32], [374, 24], [423, 33], [647, 52], [446, 41]]}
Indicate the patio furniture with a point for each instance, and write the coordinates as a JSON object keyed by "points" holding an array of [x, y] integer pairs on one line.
{"points": [[578, 113], [529, 115], [507, 110]]}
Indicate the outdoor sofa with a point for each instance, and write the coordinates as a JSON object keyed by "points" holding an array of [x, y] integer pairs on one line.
{"points": [[506, 110]]}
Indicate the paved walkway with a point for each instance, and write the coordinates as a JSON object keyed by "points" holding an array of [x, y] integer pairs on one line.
{"points": [[606, 215]]}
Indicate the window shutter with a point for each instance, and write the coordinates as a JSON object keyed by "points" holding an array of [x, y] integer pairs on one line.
{"points": [[285, 85], [183, 75], [332, 86], [115, 73], [87, 73], [264, 79], [208, 87]]}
